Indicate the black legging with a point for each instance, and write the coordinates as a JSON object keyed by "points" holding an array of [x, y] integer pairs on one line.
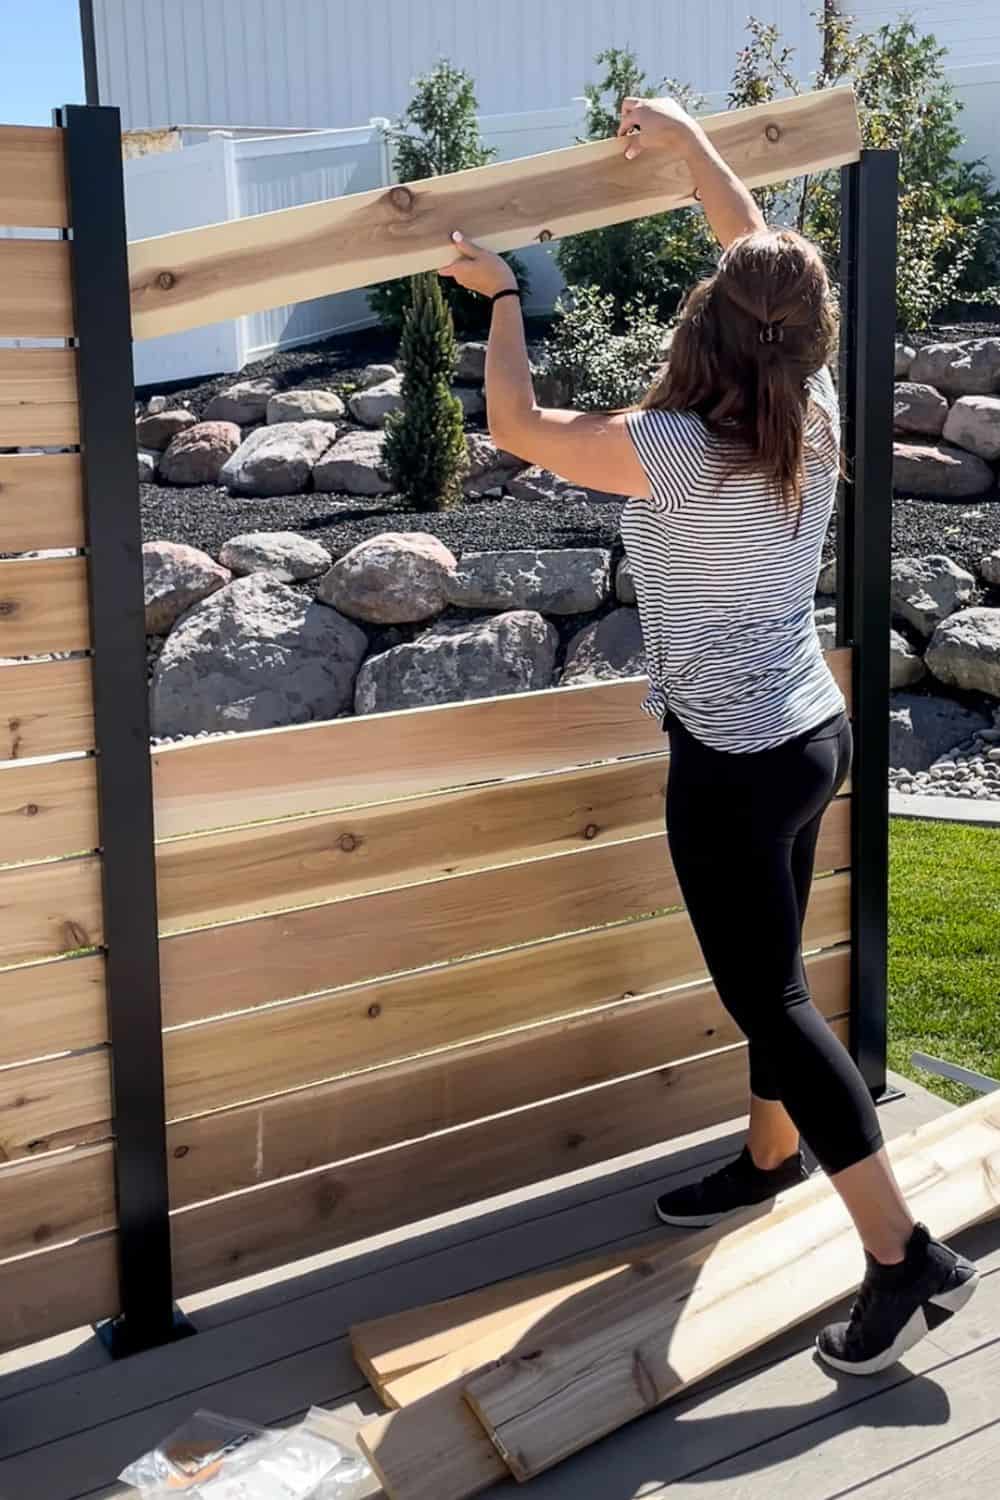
{"points": [[742, 831]]}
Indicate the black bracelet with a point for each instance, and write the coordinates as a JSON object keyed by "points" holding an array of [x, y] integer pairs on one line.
{"points": [[508, 291]]}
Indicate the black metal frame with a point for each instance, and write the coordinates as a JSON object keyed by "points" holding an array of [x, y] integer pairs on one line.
{"points": [[121, 712], [868, 320]]}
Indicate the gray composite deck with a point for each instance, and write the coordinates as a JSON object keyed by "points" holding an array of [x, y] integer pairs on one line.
{"points": [[774, 1424]]}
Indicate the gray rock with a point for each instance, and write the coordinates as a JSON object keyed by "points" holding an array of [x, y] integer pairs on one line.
{"points": [[256, 655], [509, 653], [376, 375], [197, 456], [175, 577], [922, 729], [148, 462], [243, 403], [625, 583], [974, 424], [372, 406], [825, 620], [157, 429], [551, 389], [473, 401], [965, 651], [906, 668], [926, 590], [918, 408], [611, 647], [470, 367], [937, 470], [904, 359], [157, 404], [354, 466], [827, 581], [305, 406], [971, 368], [990, 567], [393, 579], [569, 581], [285, 554], [278, 460], [489, 466], [541, 484]]}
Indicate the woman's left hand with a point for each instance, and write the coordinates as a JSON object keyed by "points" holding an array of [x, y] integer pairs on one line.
{"points": [[477, 269]]}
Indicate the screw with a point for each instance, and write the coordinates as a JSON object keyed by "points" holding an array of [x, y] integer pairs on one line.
{"points": [[374, 1011], [166, 280], [545, 236], [591, 831], [402, 199], [347, 842], [773, 132], [180, 1151], [31, 809]]}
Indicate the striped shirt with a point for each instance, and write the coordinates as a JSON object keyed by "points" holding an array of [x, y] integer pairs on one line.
{"points": [[724, 585]]}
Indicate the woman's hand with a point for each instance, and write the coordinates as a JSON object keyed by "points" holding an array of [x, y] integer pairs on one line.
{"points": [[660, 124], [478, 270]]}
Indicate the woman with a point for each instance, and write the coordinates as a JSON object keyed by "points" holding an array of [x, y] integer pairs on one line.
{"points": [[734, 459]]}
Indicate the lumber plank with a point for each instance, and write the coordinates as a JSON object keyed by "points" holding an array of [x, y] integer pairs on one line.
{"points": [[201, 276], [62, 1101], [56, 1198], [41, 501], [298, 1216], [244, 1146], [46, 708], [625, 1354], [44, 606], [246, 964], [271, 1049], [276, 773], [49, 909], [58, 1006], [36, 292], [48, 809], [38, 398], [216, 877], [32, 177], [70, 1286]]}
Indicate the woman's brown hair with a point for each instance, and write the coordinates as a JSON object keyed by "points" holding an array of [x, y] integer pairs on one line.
{"points": [[748, 339]]}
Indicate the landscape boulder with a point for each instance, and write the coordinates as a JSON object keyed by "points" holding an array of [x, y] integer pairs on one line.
{"points": [[284, 554], [535, 483], [938, 471], [470, 367], [965, 651], [243, 403], [906, 668], [926, 590], [918, 408], [156, 429], [376, 375], [625, 583], [372, 406], [971, 368], [921, 729], [904, 359], [473, 401], [974, 424], [990, 567], [568, 581], [175, 577], [278, 460], [197, 456], [355, 465], [305, 406], [513, 652], [148, 461], [825, 620], [256, 655], [490, 467], [393, 579], [609, 648], [826, 583]]}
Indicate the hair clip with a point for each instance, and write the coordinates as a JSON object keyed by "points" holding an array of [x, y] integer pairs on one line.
{"points": [[771, 333]]}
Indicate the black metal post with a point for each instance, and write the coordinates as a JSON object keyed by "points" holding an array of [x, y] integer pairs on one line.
{"points": [[124, 778], [88, 44], [868, 320]]}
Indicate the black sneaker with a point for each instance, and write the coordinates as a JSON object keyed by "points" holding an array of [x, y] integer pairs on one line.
{"points": [[899, 1305], [739, 1184]]}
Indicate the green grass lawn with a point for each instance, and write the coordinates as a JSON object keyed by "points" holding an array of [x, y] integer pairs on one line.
{"points": [[944, 949]]}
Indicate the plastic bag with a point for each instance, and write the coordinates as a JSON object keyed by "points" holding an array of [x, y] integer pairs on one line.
{"points": [[195, 1453]]}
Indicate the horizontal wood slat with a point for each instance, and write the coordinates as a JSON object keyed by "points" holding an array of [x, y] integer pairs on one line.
{"points": [[44, 606], [38, 398], [50, 909], [241, 1148], [41, 501], [245, 964], [32, 178], [290, 1046], [200, 276], [264, 868], [45, 1106], [277, 773], [70, 1287], [251, 1232], [48, 809], [36, 292], [52, 1007], [46, 708], [56, 1198]]}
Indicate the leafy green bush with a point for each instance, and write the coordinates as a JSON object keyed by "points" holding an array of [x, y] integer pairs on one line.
{"points": [[591, 364], [439, 133], [425, 449], [654, 259]]}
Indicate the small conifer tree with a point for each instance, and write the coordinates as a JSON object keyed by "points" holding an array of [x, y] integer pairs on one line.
{"points": [[425, 449]]}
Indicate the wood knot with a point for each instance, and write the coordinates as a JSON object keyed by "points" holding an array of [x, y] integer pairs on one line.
{"points": [[401, 199], [166, 281], [773, 132], [75, 936], [544, 236], [181, 1151], [41, 1233], [374, 1011], [591, 831], [31, 810], [8, 607], [574, 1140], [697, 195], [348, 842]]}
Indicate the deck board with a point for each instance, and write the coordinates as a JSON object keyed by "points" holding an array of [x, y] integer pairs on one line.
{"points": [[272, 1346]]}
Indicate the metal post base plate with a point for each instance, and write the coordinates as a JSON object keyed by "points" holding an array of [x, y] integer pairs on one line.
{"points": [[888, 1095], [116, 1335]]}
